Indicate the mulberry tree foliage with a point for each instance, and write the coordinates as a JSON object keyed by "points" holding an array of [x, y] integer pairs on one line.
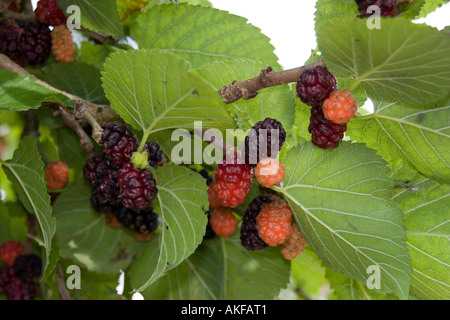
{"points": [[368, 197]]}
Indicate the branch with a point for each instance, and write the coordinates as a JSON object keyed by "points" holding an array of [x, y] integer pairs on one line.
{"points": [[27, 6], [8, 14], [215, 141], [101, 113], [62, 289], [72, 123], [85, 111], [268, 78], [99, 37]]}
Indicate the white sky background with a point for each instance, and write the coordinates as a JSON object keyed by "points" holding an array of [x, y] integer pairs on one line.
{"points": [[290, 24]]}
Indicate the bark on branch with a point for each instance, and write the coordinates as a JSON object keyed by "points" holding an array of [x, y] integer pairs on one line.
{"points": [[85, 112], [267, 78]]}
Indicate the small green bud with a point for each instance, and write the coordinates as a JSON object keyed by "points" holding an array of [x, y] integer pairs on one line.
{"points": [[139, 159]]}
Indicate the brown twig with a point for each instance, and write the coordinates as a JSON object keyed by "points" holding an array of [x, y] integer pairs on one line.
{"points": [[101, 113], [62, 289], [267, 78], [85, 111], [72, 123], [215, 141], [98, 36]]}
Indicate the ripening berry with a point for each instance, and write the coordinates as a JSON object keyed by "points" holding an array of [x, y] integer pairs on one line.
{"points": [[213, 200], [48, 12], [63, 46], [9, 251], [233, 181], [250, 238], [294, 245], [223, 222], [274, 222], [269, 172], [57, 174], [339, 107]]}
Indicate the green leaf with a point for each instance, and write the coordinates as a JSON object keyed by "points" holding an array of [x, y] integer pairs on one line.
{"points": [[26, 171], [201, 35], [426, 206], [97, 15], [340, 200], [69, 147], [419, 136], [84, 236], [154, 90], [77, 78], [13, 220], [421, 8], [182, 201], [345, 288], [427, 217], [19, 93], [94, 286], [401, 61], [275, 102], [328, 9], [93, 54], [222, 269], [309, 274]]}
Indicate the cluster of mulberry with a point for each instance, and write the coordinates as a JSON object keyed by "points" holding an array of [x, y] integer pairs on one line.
{"points": [[121, 191], [233, 178], [32, 43], [267, 220], [331, 109], [18, 272]]}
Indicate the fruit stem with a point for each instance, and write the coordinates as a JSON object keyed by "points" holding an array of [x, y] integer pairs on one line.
{"points": [[144, 140], [267, 78]]}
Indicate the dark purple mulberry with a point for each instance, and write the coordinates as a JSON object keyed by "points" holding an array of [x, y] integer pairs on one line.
{"points": [[137, 187], [35, 43], [260, 138], [105, 196], [20, 289], [14, 287], [9, 42], [90, 168], [118, 143], [154, 153], [28, 266], [324, 133], [250, 238], [142, 222], [315, 85], [388, 8], [7, 275]]}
